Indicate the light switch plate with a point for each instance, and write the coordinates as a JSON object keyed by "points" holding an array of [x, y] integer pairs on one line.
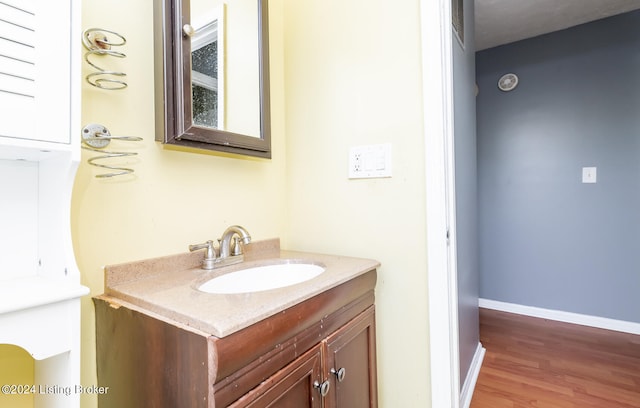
{"points": [[589, 174], [370, 161]]}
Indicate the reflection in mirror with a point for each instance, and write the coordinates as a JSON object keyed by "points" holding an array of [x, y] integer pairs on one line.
{"points": [[212, 88], [207, 71]]}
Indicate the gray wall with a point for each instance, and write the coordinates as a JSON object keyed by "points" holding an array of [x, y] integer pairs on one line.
{"points": [[546, 239], [466, 192]]}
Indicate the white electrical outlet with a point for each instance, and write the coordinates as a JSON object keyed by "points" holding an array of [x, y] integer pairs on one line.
{"points": [[370, 161]]}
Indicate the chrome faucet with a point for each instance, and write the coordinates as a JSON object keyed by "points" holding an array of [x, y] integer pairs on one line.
{"points": [[224, 256], [225, 241], [209, 260]]}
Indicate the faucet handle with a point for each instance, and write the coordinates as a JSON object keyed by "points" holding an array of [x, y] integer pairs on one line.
{"points": [[210, 256], [236, 248]]}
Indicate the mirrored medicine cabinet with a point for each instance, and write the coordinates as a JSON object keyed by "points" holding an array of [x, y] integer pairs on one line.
{"points": [[212, 75]]}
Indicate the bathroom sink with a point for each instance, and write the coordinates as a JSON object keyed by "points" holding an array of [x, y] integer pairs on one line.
{"points": [[262, 278]]}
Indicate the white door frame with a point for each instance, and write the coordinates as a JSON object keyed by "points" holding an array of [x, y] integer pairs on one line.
{"points": [[440, 202]]}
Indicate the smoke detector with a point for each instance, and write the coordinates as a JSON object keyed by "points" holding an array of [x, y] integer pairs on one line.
{"points": [[508, 82]]}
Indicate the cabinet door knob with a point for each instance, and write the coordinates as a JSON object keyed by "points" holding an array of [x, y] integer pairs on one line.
{"points": [[340, 373], [188, 30], [322, 388]]}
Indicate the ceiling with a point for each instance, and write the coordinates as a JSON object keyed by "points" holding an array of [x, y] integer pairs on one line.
{"points": [[504, 21]]}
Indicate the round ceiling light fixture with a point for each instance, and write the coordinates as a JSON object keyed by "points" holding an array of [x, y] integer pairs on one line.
{"points": [[508, 82]]}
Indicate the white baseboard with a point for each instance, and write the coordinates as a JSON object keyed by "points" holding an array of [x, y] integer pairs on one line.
{"points": [[567, 317], [472, 377]]}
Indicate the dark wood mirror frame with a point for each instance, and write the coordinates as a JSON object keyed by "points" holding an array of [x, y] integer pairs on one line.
{"points": [[173, 97]]}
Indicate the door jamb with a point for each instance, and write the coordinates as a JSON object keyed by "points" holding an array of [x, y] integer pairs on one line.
{"points": [[440, 202]]}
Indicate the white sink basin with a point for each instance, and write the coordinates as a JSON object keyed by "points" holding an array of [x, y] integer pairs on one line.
{"points": [[262, 278]]}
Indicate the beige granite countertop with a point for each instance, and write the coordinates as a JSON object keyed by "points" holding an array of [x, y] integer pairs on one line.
{"points": [[168, 286]]}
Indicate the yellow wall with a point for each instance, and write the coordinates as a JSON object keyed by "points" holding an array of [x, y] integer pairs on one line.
{"points": [[343, 73], [16, 368], [353, 76], [176, 198]]}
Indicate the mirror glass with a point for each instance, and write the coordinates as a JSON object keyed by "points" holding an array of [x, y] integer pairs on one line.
{"points": [[213, 77], [225, 65], [207, 69]]}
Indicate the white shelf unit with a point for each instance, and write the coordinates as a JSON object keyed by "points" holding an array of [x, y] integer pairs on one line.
{"points": [[40, 286]]}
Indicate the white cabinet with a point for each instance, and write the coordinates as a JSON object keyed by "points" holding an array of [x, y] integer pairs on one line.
{"points": [[39, 153], [35, 65]]}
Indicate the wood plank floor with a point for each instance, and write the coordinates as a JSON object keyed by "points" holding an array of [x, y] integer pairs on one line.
{"points": [[541, 363]]}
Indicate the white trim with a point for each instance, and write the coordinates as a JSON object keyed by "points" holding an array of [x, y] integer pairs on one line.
{"points": [[205, 81], [472, 377], [206, 34], [567, 317], [441, 261]]}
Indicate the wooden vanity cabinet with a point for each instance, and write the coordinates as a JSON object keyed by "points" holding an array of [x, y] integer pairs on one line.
{"points": [[280, 362], [342, 366]]}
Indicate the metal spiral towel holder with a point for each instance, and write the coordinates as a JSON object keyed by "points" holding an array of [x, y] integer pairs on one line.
{"points": [[97, 43], [97, 137]]}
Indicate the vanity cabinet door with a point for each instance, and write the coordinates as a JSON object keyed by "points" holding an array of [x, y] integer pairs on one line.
{"points": [[350, 363], [291, 387]]}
